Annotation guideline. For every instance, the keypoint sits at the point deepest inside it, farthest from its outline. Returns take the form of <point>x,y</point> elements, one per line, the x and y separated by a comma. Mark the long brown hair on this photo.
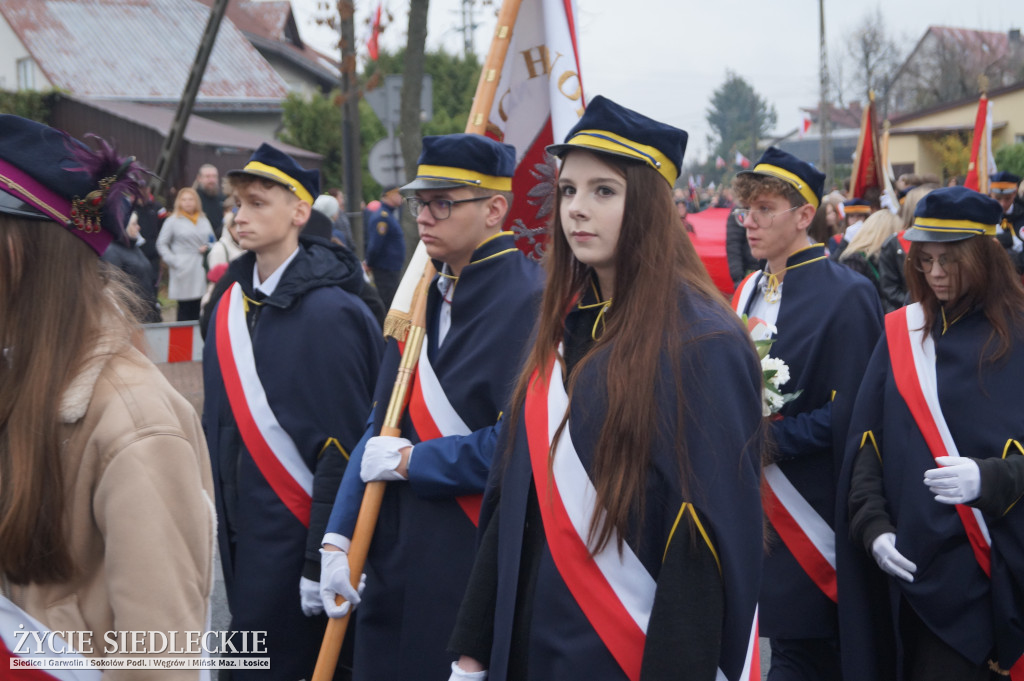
<point>55,304</point>
<point>654,260</point>
<point>985,278</point>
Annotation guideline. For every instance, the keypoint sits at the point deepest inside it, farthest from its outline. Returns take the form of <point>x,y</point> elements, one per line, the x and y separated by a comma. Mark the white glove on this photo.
<point>336,580</point>
<point>381,457</point>
<point>889,559</point>
<point>958,481</point>
<point>459,674</point>
<point>309,591</point>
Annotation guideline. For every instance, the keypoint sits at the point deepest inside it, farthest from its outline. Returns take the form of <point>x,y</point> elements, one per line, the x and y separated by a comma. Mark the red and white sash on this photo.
<point>270,446</point>
<point>913,365</point>
<point>18,640</point>
<point>805,533</point>
<point>615,591</point>
<point>433,416</point>
<point>744,291</point>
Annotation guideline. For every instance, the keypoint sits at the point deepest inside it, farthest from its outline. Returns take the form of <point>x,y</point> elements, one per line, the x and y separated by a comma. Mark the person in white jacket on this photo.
<point>184,239</point>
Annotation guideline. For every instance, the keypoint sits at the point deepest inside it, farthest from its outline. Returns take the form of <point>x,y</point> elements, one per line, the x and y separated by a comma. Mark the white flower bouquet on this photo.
<point>774,371</point>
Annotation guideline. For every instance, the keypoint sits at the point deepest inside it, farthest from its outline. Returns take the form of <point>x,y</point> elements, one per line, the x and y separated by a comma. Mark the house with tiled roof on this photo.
<point>947,64</point>
<point>138,51</point>
<point>271,28</point>
<point>121,67</point>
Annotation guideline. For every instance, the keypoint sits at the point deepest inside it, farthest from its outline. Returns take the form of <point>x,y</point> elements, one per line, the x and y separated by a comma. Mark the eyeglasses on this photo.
<point>440,209</point>
<point>926,264</point>
<point>762,216</point>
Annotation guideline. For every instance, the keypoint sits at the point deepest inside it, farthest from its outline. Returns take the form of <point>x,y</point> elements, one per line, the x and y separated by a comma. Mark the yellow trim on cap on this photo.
<point>294,185</point>
<point>463,176</point>
<point>793,179</point>
<point>856,210</point>
<point>955,226</point>
<point>1007,186</point>
<point>604,140</point>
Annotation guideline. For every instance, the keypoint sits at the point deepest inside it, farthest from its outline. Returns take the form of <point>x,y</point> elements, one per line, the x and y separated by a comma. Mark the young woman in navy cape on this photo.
<point>935,456</point>
<point>623,520</point>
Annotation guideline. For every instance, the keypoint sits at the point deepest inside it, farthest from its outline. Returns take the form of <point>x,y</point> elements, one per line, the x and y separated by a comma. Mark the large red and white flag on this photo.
<point>741,161</point>
<point>538,100</point>
<point>982,163</point>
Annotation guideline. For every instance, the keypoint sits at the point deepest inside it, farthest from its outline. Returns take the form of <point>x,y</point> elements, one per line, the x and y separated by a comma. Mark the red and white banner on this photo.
<point>173,342</point>
<point>913,363</point>
<point>23,637</point>
<point>982,163</point>
<point>433,416</point>
<point>538,99</point>
<point>268,443</point>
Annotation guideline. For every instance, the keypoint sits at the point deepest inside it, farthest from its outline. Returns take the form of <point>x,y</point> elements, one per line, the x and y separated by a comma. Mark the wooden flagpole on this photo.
<point>487,86</point>
<point>411,325</point>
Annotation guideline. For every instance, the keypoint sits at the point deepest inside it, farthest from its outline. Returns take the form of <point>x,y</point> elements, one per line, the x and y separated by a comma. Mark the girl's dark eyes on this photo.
<point>567,190</point>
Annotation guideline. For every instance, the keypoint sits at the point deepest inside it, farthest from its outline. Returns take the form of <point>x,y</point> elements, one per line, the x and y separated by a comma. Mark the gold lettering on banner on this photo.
<point>565,78</point>
<point>501,105</point>
<point>539,56</point>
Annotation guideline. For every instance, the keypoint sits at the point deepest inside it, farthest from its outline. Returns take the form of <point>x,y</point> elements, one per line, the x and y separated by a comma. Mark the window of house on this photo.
<point>26,74</point>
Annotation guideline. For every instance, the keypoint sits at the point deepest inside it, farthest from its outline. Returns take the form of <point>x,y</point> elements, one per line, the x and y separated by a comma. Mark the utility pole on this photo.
<point>172,143</point>
<point>351,152</point>
<point>468,26</point>
<point>823,109</point>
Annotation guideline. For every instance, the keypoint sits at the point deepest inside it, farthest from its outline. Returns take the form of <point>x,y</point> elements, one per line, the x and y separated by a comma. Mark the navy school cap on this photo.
<point>805,178</point>
<point>275,165</point>
<point>464,160</point>
<point>954,214</point>
<point>609,128</point>
<point>1003,182</point>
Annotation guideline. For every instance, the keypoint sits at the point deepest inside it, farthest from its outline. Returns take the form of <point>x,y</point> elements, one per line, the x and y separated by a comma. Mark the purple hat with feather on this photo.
<point>45,174</point>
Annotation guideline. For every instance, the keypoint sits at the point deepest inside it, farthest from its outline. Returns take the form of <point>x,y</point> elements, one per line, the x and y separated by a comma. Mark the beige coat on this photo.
<point>141,518</point>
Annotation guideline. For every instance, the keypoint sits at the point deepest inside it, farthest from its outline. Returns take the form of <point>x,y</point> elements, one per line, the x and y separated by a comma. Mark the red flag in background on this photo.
<point>742,161</point>
<point>867,162</point>
<point>538,100</point>
<point>372,48</point>
<point>982,163</point>
<point>719,163</point>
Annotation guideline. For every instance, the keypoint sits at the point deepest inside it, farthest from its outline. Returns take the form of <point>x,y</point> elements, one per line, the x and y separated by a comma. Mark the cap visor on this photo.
<point>12,205</point>
<point>915,234</point>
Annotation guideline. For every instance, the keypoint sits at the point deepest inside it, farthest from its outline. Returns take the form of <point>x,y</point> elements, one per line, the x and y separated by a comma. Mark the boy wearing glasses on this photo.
<point>825,321</point>
<point>480,311</point>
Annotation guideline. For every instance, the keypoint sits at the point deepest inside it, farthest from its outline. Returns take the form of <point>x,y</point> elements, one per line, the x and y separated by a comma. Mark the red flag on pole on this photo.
<point>981,149</point>
<point>867,162</point>
<point>538,100</point>
<point>372,47</point>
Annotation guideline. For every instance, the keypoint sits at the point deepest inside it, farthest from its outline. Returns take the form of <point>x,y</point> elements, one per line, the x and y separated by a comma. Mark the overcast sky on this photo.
<point>664,58</point>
